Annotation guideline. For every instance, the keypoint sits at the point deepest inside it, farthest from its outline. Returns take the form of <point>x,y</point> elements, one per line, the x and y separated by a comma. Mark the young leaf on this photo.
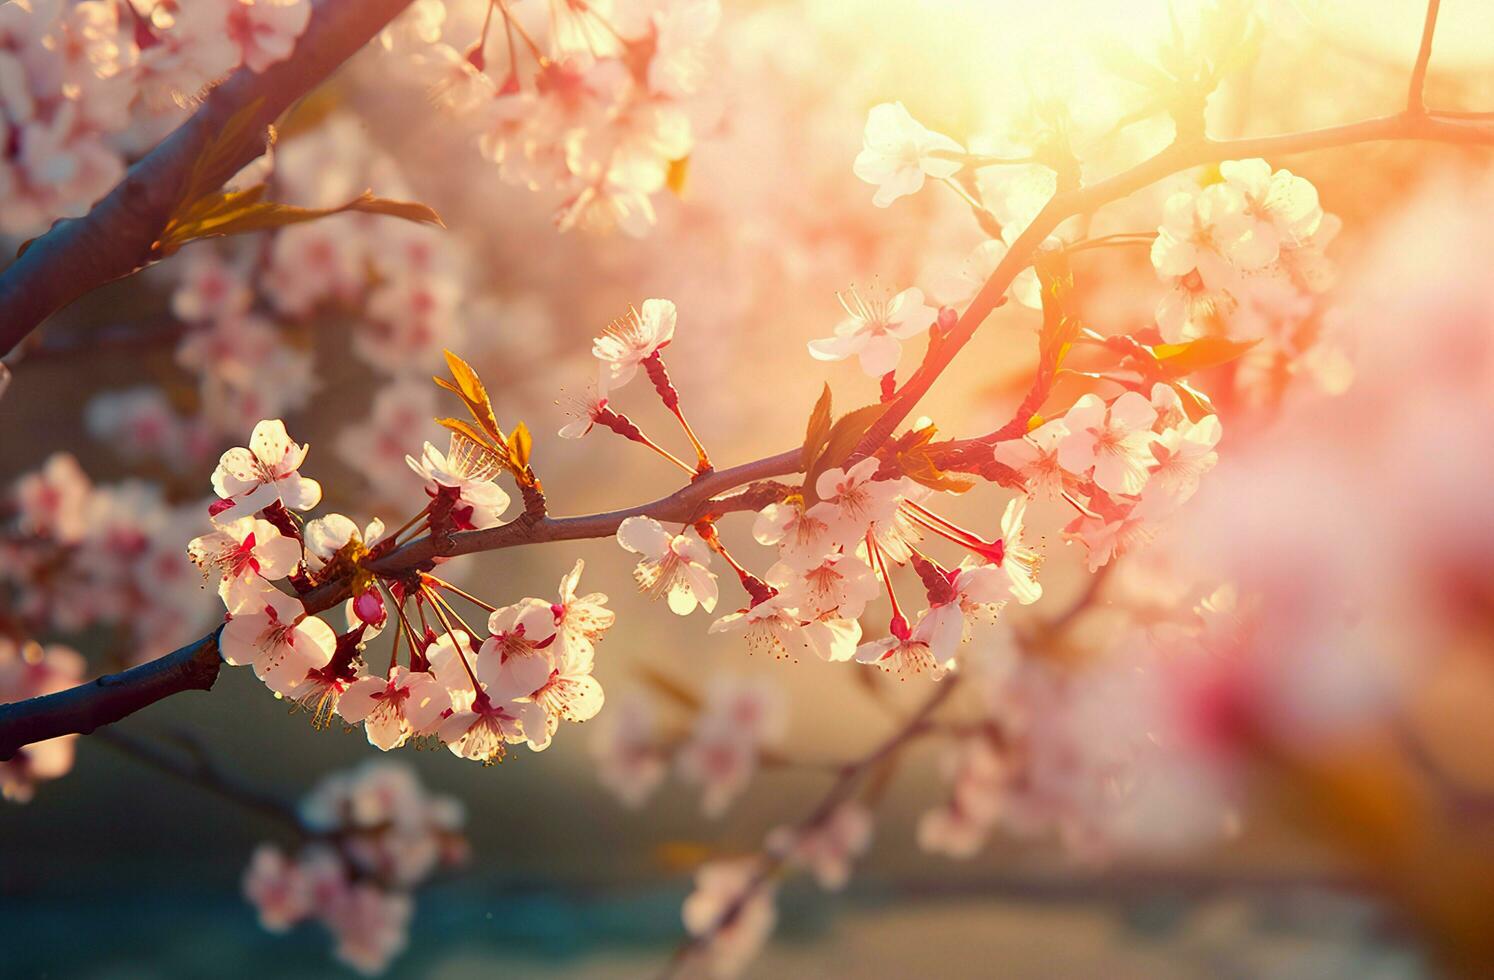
<point>519,446</point>
<point>817,431</point>
<point>221,213</point>
<point>844,434</point>
<point>919,466</point>
<point>215,163</point>
<point>470,389</point>
<point>1059,329</point>
<point>1179,360</point>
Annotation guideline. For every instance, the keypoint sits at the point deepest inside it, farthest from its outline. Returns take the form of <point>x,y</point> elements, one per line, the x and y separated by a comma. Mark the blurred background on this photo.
<point>118,870</point>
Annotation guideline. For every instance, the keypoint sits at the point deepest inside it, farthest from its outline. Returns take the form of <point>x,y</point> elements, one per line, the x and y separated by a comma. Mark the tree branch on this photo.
<point>194,667</point>
<point>114,238</point>
<point>840,791</point>
<point>1415,100</point>
<point>107,699</point>
<point>198,769</point>
<point>1178,156</point>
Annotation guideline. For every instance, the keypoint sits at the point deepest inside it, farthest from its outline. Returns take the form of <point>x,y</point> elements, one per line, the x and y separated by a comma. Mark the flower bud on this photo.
<point>368,606</point>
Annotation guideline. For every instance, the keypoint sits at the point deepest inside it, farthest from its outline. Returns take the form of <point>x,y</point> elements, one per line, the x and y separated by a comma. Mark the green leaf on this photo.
<point>1179,360</point>
<point>844,434</point>
<point>817,431</point>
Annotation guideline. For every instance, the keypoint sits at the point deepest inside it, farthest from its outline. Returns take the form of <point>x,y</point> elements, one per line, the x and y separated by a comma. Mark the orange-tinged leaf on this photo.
<point>221,213</point>
<point>1059,329</point>
<point>470,389</point>
<point>218,156</point>
<point>519,446</point>
<point>679,172</point>
<point>817,431</point>
<point>917,465</point>
<point>844,434</point>
<point>1178,360</point>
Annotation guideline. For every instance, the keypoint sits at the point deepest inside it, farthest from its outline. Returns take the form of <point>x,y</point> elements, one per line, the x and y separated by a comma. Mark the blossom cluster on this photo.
<point>475,695</point>
<point>245,308</point>
<point>738,724</point>
<point>30,670</point>
<point>75,555</point>
<point>590,102</point>
<point>90,83</point>
<point>371,836</point>
<point>1126,465</point>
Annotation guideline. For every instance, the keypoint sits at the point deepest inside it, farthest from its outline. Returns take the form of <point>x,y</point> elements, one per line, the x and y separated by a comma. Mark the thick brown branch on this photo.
<point>114,238</point>
<point>107,699</point>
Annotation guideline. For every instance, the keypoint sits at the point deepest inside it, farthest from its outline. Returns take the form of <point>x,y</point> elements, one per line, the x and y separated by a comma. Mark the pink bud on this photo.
<point>219,506</point>
<point>369,608</point>
<point>947,318</point>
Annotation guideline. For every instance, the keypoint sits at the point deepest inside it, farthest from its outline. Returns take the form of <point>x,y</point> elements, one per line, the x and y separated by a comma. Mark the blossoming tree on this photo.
<point>134,130</point>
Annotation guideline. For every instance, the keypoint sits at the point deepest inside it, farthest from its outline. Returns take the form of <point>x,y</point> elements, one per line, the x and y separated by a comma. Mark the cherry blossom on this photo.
<point>277,889</point>
<point>632,339</point>
<point>482,725</point>
<point>580,621</point>
<point>681,30</point>
<point>629,760</point>
<point>266,472</point>
<point>245,553</point>
<point>904,651</point>
<point>673,566</point>
<point>730,886</point>
<point>1284,206</point>
<point>722,762</point>
<point>523,630</point>
<point>803,537</point>
<point>265,30</point>
<point>53,500</point>
<point>387,705</point>
<point>851,499</point>
<point>775,625</point>
<point>210,288</point>
<point>27,671</point>
<point>874,329</point>
<point>1184,453</point>
<point>1112,444</point>
<point>330,533</point>
<point>478,502</point>
<point>828,848</point>
<point>1018,563</point>
<point>1211,234</point>
<point>840,585</point>
<point>272,633</point>
<point>1035,458</point>
<point>958,288</point>
<point>899,152</point>
<point>570,693</point>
